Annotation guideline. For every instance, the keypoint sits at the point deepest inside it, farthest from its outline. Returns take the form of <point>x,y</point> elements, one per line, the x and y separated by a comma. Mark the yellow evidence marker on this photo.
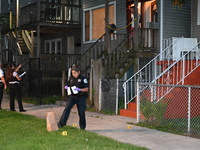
<point>74,125</point>
<point>129,127</point>
<point>64,133</point>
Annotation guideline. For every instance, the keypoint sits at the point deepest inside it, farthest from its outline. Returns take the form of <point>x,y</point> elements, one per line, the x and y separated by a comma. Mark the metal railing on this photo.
<point>57,61</point>
<point>97,50</point>
<point>163,70</point>
<point>14,44</point>
<point>51,12</point>
<point>122,56</point>
<point>178,110</point>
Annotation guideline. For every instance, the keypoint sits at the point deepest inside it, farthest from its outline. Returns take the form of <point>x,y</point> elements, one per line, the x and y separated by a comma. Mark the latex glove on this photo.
<point>15,73</point>
<point>66,87</point>
<point>77,89</point>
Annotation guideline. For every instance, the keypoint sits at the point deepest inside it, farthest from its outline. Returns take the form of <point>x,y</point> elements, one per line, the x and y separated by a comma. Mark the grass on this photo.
<point>176,126</point>
<point>26,132</point>
<point>44,100</point>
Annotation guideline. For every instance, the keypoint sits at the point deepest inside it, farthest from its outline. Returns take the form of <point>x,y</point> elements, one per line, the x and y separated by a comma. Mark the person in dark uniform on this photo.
<point>3,84</point>
<point>13,79</point>
<point>77,88</point>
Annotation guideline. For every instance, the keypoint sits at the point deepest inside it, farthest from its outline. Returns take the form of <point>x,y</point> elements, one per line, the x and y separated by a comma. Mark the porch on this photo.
<point>67,15</point>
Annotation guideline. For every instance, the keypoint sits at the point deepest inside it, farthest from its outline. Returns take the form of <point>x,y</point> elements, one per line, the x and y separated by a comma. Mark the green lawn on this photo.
<point>24,132</point>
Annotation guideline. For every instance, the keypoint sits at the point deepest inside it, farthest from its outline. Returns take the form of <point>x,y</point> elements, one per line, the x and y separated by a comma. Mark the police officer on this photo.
<point>77,88</point>
<point>14,89</point>
<point>2,83</point>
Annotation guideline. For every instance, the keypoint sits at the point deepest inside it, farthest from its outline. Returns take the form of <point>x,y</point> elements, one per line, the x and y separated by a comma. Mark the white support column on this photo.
<point>161,26</point>
<point>138,103</point>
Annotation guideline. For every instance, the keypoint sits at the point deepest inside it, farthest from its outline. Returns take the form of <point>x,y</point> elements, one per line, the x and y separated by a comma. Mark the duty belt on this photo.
<point>13,82</point>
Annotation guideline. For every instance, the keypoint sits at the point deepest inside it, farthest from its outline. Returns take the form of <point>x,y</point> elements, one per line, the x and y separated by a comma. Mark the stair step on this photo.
<point>132,105</point>
<point>128,113</point>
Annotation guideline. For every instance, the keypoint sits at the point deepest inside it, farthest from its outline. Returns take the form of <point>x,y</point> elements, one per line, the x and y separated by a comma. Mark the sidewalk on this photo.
<point>116,127</point>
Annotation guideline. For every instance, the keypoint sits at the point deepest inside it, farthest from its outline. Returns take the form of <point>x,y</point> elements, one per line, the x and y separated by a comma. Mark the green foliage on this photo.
<point>3,19</point>
<point>153,110</point>
<point>147,108</point>
<point>178,4</point>
<point>44,101</point>
<point>160,108</point>
<point>24,132</point>
<point>121,104</point>
<point>176,126</point>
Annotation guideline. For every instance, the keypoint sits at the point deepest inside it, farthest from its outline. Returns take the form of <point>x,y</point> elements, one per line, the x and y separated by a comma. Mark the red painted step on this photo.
<point>132,106</point>
<point>128,113</point>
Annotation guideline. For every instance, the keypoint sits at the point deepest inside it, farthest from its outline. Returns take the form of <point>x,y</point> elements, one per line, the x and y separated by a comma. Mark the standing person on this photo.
<point>77,88</point>
<point>133,18</point>
<point>14,89</point>
<point>132,10</point>
<point>3,84</point>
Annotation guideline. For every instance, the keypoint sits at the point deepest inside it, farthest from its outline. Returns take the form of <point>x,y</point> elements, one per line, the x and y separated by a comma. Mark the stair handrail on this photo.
<point>169,67</point>
<point>197,64</point>
<point>97,50</point>
<point>86,59</point>
<point>27,40</point>
<point>109,56</point>
<point>17,43</point>
<point>138,75</point>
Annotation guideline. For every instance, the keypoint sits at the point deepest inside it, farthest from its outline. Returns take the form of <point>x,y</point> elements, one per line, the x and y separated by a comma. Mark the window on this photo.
<point>198,13</point>
<point>53,46</point>
<point>94,23</point>
<point>10,4</point>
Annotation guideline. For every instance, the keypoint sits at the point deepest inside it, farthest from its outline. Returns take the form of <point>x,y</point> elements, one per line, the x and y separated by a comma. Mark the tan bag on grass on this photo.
<point>51,122</point>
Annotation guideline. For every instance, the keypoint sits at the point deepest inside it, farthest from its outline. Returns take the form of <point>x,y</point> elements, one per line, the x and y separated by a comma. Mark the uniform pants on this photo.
<point>15,91</point>
<point>1,93</point>
<point>81,106</point>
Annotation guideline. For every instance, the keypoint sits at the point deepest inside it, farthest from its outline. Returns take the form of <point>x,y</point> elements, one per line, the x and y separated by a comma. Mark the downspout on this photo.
<point>161,26</point>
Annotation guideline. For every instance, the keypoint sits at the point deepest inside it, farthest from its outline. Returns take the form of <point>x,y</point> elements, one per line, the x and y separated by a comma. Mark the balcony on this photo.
<point>50,14</point>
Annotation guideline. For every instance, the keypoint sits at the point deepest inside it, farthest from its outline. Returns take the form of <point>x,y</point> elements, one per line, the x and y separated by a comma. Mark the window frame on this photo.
<point>90,10</point>
<point>54,42</point>
<point>198,12</point>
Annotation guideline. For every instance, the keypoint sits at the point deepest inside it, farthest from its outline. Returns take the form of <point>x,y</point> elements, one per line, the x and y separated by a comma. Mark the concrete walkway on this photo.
<point>116,127</point>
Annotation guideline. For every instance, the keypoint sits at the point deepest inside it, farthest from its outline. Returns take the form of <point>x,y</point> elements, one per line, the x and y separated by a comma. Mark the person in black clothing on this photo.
<point>13,79</point>
<point>3,84</point>
<point>77,88</point>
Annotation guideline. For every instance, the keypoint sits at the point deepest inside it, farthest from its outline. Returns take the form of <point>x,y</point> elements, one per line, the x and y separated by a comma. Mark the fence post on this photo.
<point>189,106</point>
<point>100,94</point>
<point>63,83</point>
<point>125,96</point>
<point>117,86</point>
<point>138,103</point>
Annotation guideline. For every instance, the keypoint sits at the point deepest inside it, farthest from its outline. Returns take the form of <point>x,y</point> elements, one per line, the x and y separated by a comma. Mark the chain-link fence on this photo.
<point>176,107</point>
<point>110,95</point>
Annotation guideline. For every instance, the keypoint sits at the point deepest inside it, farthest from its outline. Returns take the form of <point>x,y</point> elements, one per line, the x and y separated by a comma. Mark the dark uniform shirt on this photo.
<point>80,82</point>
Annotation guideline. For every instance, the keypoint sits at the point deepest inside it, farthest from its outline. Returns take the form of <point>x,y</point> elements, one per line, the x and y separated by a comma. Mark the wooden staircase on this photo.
<point>121,58</point>
<point>115,63</point>
<point>21,41</point>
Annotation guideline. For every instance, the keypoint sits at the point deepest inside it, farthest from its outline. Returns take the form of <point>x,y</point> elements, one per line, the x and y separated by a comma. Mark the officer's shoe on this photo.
<point>60,125</point>
<point>22,110</point>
